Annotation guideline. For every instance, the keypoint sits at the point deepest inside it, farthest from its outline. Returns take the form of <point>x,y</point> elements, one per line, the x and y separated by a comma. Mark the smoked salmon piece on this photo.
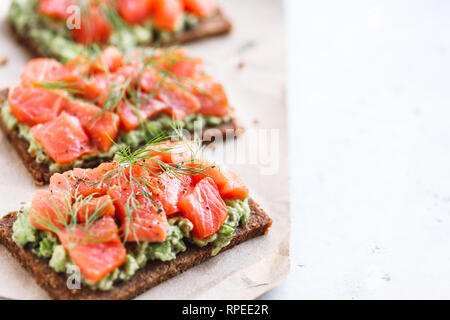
<point>150,81</point>
<point>151,107</point>
<point>32,106</point>
<point>143,221</point>
<point>146,168</point>
<point>72,181</point>
<point>172,152</point>
<point>187,68</point>
<point>55,8</point>
<point>63,138</point>
<point>201,8</point>
<point>212,97</point>
<point>45,70</point>
<point>128,73</point>
<point>101,126</point>
<point>94,208</point>
<point>205,208</point>
<point>109,60</point>
<point>49,210</point>
<point>180,101</point>
<point>103,130</point>
<point>96,89</point>
<point>96,248</point>
<point>170,189</point>
<point>95,27</point>
<point>168,14</point>
<point>230,185</point>
<point>81,64</point>
<point>129,118</point>
<point>85,182</point>
<point>164,59</point>
<point>135,11</point>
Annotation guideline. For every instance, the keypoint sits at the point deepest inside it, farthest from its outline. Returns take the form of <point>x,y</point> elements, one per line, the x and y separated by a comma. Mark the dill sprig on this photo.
<point>113,16</point>
<point>116,95</point>
<point>58,86</point>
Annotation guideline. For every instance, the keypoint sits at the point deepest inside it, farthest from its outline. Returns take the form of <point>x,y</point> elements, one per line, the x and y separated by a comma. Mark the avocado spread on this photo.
<point>53,38</point>
<point>160,126</point>
<point>46,245</point>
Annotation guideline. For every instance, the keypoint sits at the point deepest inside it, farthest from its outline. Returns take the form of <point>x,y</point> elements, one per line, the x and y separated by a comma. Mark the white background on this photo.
<point>369,101</point>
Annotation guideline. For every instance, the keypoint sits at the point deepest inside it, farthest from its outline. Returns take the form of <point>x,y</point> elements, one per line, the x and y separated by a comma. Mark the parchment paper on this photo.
<point>250,64</point>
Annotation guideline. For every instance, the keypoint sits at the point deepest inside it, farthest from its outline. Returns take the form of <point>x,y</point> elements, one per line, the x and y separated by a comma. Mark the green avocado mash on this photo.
<point>42,243</point>
<point>58,259</point>
<point>23,231</point>
<point>53,38</point>
<point>160,126</point>
<point>46,245</point>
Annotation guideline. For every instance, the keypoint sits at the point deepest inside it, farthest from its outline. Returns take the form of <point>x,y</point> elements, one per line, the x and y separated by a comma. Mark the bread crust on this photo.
<point>154,273</point>
<point>41,172</point>
<point>215,25</point>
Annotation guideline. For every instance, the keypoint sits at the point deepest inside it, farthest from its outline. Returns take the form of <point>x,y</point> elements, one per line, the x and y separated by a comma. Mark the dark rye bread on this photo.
<point>41,172</point>
<point>215,25</point>
<point>148,277</point>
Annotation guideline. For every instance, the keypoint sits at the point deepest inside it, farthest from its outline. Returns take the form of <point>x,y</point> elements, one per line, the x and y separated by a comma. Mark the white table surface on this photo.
<point>369,96</point>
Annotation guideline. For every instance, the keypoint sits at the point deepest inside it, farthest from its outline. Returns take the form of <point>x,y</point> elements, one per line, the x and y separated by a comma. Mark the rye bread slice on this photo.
<point>41,172</point>
<point>154,273</point>
<point>215,25</point>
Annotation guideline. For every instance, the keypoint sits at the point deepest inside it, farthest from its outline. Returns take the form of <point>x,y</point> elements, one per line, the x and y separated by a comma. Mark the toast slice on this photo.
<point>41,172</point>
<point>215,25</point>
<point>152,274</point>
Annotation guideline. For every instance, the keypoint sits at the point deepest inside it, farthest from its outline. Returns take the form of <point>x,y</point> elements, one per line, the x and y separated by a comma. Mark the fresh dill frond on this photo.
<point>114,99</point>
<point>113,16</point>
<point>59,86</point>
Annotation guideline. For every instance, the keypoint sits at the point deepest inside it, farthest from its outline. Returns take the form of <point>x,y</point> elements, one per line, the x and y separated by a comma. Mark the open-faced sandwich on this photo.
<point>63,28</point>
<point>64,116</point>
<point>115,231</point>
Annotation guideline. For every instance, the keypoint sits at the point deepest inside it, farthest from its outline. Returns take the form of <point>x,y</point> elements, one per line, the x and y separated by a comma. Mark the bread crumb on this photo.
<point>241,65</point>
<point>3,61</point>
